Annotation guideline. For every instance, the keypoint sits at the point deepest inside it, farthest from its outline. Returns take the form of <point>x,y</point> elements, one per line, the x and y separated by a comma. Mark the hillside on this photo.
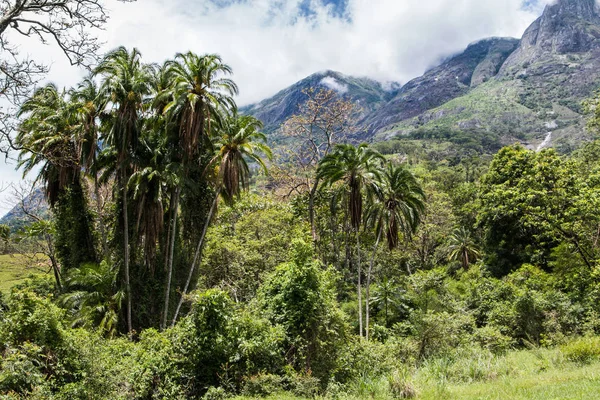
<point>369,94</point>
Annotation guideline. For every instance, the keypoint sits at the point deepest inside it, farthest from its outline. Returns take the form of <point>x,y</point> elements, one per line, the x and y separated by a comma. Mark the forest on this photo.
<point>188,259</point>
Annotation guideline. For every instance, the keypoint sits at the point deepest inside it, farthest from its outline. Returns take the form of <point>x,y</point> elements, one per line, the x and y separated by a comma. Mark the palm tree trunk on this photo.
<point>126,244</point>
<point>311,210</point>
<point>213,207</point>
<point>359,286</point>
<point>99,211</point>
<point>163,323</point>
<point>369,281</point>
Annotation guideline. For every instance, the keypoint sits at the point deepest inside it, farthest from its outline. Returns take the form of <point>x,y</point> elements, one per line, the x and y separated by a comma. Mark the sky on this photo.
<point>270,44</point>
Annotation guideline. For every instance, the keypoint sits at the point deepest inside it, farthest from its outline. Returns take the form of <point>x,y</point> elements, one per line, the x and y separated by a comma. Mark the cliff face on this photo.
<point>567,27</point>
<point>453,78</point>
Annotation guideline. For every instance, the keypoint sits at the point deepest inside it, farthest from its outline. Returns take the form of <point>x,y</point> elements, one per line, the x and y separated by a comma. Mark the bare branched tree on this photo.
<point>323,121</point>
<point>71,25</point>
<point>36,239</point>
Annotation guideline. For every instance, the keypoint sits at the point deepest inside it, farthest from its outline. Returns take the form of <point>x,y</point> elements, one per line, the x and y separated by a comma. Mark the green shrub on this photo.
<point>491,338</point>
<point>300,297</point>
<point>262,385</point>
<point>401,386</point>
<point>582,350</point>
<point>215,393</point>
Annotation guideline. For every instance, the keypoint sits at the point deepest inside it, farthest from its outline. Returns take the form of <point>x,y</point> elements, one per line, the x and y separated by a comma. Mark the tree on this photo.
<point>85,98</point>
<point>70,24</point>
<point>5,236</point>
<point>125,84</point>
<point>300,297</point>
<point>462,247</point>
<point>530,202</point>
<point>398,209</point>
<point>199,97</point>
<point>323,121</point>
<point>240,140</point>
<point>92,297</point>
<point>359,169</point>
<point>48,135</point>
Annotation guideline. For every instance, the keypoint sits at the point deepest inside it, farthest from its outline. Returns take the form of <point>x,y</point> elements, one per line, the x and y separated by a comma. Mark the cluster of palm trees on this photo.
<point>169,141</point>
<point>394,205</point>
<point>167,137</point>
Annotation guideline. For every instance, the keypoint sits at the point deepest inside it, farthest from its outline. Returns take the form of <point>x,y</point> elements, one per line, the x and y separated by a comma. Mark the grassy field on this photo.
<point>540,374</point>
<point>14,268</point>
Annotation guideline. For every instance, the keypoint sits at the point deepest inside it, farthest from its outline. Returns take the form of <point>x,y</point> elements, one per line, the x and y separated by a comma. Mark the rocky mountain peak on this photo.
<point>581,9</point>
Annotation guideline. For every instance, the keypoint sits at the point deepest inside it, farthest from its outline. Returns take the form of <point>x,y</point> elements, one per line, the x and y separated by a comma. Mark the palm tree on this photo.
<point>462,247</point>
<point>239,142</point>
<point>199,96</point>
<point>49,136</point>
<point>125,85</point>
<point>85,98</point>
<point>399,207</point>
<point>387,294</point>
<point>92,297</point>
<point>153,174</point>
<point>359,168</point>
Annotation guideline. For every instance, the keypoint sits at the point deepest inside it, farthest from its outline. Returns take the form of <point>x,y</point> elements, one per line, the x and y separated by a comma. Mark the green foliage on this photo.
<point>75,244</point>
<point>582,350</point>
<point>300,297</point>
<point>247,242</point>
<point>91,297</point>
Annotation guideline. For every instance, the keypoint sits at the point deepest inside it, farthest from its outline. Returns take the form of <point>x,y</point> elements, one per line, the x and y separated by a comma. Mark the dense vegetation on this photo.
<point>344,272</point>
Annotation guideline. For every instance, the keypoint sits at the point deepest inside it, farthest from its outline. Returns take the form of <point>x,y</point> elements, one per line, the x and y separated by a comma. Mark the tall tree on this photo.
<point>359,169</point>
<point>240,141</point>
<point>200,96</point>
<point>399,204</point>
<point>49,135</point>
<point>125,85</point>
<point>85,98</point>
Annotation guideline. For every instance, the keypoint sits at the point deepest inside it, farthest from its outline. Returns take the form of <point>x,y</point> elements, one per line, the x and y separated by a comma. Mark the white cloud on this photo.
<point>270,47</point>
<point>333,84</point>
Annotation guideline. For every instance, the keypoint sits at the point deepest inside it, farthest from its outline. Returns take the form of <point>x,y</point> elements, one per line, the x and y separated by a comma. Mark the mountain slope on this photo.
<point>538,89</point>
<point>453,78</point>
<point>369,94</point>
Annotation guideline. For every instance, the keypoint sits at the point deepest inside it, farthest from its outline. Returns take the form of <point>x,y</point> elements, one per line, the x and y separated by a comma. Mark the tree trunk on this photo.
<point>55,267</point>
<point>171,251</point>
<point>126,244</point>
<point>196,261</point>
<point>359,286</point>
<point>311,210</point>
<point>103,234</point>
<point>368,294</point>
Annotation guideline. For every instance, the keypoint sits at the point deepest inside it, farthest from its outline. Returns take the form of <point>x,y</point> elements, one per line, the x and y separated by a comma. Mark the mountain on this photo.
<point>453,78</point>
<point>529,89</point>
<point>368,93</point>
<point>34,202</point>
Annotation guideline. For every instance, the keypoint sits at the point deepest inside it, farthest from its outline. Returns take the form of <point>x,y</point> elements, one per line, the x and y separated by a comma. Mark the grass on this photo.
<point>538,374</point>
<point>15,268</point>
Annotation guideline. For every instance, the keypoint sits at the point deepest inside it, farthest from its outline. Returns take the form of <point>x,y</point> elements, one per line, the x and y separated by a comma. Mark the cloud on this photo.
<point>271,44</point>
<point>333,84</point>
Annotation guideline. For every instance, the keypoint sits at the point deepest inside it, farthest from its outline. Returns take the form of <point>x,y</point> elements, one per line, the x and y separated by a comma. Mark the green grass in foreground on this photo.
<point>543,374</point>
<point>15,268</point>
